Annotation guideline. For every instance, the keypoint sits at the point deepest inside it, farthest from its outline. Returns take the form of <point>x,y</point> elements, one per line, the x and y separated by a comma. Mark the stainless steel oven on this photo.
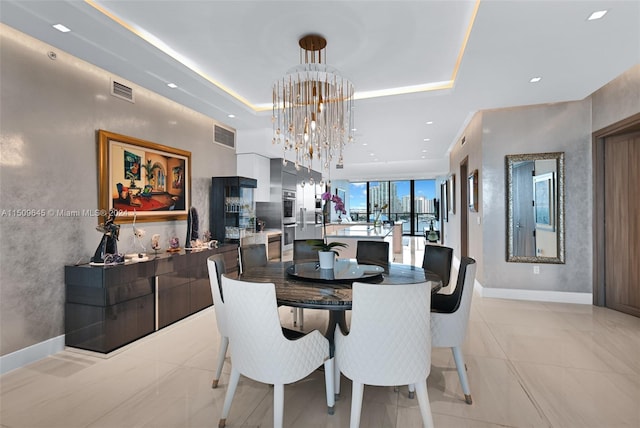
<point>288,207</point>
<point>288,236</point>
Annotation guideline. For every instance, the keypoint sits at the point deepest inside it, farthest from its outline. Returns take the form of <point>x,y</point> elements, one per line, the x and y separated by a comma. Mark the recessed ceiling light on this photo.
<point>172,85</point>
<point>231,116</point>
<point>424,151</point>
<point>597,15</point>
<point>375,160</point>
<point>427,139</point>
<point>364,144</point>
<point>430,122</point>
<point>423,157</point>
<point>61,28</point>
<point>354,129</point>
<point>535,79</point>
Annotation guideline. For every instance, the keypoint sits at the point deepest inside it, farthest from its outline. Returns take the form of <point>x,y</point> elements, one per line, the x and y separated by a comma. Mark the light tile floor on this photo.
<point>530,364</point>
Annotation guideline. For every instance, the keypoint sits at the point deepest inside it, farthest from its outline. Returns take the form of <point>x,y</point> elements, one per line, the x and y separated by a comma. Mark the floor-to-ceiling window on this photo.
<point>378,192</point>
<point>358,202</point>
<point>408,201</point>
<point>400,197</point>
<point>424,206</point>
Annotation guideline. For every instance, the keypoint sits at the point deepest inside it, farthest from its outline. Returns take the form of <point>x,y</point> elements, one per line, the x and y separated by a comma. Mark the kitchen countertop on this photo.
<point>362,231</point>
<point>269,232</point>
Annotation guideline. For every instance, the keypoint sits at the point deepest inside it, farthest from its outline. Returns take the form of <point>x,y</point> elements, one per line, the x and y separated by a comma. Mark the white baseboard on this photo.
<point>535,295</point>
<point>31,354</point>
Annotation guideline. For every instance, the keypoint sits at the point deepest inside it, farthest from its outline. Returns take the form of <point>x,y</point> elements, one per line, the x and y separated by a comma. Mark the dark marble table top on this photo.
<point>330,293</point>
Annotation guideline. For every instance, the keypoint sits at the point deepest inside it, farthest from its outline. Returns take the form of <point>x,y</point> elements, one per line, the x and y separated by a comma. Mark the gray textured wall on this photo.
<point>49,112</point>
<point>617,100</point>
<point>563,127</point>
<point>472,150</point>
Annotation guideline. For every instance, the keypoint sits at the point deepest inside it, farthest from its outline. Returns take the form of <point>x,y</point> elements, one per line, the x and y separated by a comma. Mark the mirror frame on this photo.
<point>509,162</point>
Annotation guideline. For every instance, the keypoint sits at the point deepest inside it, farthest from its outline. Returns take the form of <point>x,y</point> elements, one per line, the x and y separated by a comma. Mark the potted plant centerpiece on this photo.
<point>327,251</point>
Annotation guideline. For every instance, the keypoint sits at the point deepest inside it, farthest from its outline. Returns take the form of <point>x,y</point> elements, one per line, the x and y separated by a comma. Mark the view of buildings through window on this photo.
<point>410,201</point>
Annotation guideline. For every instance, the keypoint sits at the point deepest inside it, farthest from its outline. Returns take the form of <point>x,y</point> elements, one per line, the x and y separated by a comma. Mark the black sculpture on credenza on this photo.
<point>109,242</point>
<point>192,227</point>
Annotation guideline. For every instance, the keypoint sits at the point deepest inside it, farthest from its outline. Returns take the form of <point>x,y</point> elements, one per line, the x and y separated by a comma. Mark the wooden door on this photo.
<point>622,222</point>
<point>523,221</point>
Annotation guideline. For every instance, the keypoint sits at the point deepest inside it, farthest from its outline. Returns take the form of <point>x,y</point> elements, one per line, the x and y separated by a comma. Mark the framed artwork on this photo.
<point>543,189</point>
<point>473,191</point>
<point>143,178</point>
<point>444,196</point>
<point>452,193</point>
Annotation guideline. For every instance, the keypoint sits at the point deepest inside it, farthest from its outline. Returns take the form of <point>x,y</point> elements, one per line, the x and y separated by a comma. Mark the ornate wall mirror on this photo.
<point>535,208</point>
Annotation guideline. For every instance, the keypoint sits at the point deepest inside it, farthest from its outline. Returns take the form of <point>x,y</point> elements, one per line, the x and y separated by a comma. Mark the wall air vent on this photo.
<point>224,136</point>
<point>122,91</point>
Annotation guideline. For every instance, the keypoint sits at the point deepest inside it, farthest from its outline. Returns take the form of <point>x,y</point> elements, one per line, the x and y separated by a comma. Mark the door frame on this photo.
<point>625,126</point>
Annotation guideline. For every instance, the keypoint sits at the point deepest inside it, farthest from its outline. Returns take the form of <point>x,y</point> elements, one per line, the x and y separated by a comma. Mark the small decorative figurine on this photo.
<point>174,245</point>
<point>109,242</point>
<point>138,234</point>
<point>155,242</point>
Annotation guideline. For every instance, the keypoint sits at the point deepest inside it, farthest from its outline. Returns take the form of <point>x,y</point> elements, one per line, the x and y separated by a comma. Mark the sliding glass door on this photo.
<point>408,201</point>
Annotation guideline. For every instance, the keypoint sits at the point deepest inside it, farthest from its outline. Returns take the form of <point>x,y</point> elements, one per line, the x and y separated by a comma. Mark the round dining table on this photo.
<point>305,285</point>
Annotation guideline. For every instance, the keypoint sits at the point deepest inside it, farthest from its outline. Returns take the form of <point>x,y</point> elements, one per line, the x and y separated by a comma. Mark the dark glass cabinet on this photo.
<point>232,211</point>
<point>108,307</point>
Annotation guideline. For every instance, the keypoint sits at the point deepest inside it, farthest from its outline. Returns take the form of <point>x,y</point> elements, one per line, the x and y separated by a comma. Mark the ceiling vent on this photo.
<point>224,136</point>
<point>122,91</point>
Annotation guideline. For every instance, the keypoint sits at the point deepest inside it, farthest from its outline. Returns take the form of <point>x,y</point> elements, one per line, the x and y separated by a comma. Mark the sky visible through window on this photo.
<point>358,192</point>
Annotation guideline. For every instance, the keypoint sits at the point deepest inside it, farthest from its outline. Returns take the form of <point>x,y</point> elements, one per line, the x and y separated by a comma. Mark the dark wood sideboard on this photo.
<point>108,307</point>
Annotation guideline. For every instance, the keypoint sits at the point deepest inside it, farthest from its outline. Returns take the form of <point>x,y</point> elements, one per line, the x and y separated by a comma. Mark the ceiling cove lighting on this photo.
<point>313,109</point>
<point>61,28</point>
<point>597,15</point>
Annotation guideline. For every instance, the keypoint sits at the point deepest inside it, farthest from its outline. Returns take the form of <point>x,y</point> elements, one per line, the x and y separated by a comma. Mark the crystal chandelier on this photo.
<point>313,109</point>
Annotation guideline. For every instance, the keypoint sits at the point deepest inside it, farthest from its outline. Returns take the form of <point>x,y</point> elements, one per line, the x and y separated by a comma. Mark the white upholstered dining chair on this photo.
<point>216,267</point>
<point>386,343</point>
<point>260,351</point>
<point>450,318</point>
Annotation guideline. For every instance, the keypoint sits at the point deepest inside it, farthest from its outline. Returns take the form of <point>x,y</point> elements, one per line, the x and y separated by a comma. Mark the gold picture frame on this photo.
<point>141,178</point>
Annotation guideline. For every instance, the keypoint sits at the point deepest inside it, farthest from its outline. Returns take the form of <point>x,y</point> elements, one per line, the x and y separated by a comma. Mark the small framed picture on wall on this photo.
<point>451,185</point>
<point>472,191</point>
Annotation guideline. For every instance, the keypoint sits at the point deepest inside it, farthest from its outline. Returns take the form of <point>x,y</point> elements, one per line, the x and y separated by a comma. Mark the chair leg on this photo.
<point>412,391</point>
<point>222,352</point>
<point>356,404</point>
<point>278,405</point>
<point>301,316</point>
<point>231,390</point>
<point>336,379</point>
<point>423,402</point>
<point>295,316</point>
<point>462,373</point>
<point>329,378</point>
